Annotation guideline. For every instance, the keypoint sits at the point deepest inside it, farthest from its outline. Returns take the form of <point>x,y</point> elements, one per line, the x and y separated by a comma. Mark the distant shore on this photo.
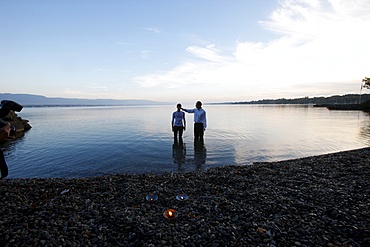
<point>315,201</point>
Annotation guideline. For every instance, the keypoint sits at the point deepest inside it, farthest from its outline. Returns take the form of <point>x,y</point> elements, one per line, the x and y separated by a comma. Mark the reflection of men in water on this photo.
<point>178,123</point>
<point>179,155</point>
<point>200,121</point>
<point>200,155</point>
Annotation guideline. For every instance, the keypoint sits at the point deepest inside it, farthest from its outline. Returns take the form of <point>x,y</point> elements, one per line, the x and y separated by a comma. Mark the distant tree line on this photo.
<point>337,99</point>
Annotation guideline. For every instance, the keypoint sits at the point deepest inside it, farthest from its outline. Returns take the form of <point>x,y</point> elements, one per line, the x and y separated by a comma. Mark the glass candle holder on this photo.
<point>151,198</point>
<point>182,197</point>
<point>170,214</point>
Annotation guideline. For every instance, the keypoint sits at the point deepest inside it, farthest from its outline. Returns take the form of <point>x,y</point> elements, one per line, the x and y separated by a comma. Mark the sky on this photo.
<point>184,51</point>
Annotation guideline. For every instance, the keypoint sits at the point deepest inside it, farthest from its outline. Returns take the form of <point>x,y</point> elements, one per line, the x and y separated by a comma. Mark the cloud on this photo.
<point>185,74</point>
<point>323,40</point>
<point>112,70</point>
<point>144,54</point>
<point>92,91</point>
<point>323,43</point>
<point>71,92</point>
<point>198,71</point>
<point>97,87</point>
<point>151,29</point>
<point>208,53</point>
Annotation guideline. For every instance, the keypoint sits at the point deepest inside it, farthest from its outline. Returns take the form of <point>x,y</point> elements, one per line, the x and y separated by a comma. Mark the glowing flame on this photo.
<point>170,214</point>
<point>182,197</point>
<point>151,198</point>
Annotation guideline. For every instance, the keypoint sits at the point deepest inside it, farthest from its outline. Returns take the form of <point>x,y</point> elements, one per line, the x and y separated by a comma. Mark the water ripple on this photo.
<point>78,142</point>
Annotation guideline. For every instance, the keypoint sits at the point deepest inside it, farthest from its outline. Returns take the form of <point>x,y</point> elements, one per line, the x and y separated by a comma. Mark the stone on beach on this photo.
<point>314,201</point>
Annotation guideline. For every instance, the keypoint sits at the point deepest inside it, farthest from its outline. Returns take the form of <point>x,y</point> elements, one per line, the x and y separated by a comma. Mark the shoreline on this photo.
<point>314,201</point>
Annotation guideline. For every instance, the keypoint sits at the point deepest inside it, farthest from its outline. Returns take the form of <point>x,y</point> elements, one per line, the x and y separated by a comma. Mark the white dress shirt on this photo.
<point>199,116</point>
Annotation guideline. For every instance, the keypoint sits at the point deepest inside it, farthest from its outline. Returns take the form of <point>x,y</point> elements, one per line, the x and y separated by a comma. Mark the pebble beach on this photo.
<point>315,201</point>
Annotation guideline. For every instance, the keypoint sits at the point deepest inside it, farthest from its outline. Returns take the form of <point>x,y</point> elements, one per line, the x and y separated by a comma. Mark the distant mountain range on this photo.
<point>39,100</point>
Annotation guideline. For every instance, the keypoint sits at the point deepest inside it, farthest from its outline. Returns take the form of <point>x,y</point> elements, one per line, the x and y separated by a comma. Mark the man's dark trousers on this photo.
<point>198,132</point>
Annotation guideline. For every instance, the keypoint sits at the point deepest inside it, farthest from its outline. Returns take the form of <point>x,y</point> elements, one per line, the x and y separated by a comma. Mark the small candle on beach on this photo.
<point>170,214</point>
<point>151,198</point>
<point>182,197</point>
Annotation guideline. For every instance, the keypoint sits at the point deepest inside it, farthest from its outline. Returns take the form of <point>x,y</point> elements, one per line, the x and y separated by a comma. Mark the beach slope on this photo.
<point>315,201</point>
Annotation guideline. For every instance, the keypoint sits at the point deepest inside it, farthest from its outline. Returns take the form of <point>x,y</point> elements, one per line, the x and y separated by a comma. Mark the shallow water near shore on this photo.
<point>91,141</point>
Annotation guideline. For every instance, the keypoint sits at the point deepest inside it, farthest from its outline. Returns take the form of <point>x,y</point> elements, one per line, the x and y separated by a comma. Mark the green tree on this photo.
<point>366,82</point>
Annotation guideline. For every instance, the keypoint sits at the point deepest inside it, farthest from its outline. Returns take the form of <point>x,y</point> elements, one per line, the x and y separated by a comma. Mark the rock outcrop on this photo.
<point>21,125</point>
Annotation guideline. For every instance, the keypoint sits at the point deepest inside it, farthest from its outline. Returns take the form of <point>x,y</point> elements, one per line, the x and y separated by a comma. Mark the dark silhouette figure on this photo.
<point>200,121</point>
<point>178,124</point>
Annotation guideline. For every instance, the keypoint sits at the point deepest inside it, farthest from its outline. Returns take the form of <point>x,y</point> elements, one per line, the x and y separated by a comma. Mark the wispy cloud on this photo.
<point>151,29</point>
<point>209,53</point>
<point>95,86</point>
<point>321,42</point>
<point>144,54</point>
<point>71,92</point>
<point>91,93</point>
<point>112,70</point>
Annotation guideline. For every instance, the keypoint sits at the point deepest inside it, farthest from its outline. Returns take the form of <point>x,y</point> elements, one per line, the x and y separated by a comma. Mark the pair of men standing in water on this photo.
<point>179,123</point>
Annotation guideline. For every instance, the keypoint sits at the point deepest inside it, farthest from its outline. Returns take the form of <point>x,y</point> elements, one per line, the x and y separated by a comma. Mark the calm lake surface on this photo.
<point>91,141</point>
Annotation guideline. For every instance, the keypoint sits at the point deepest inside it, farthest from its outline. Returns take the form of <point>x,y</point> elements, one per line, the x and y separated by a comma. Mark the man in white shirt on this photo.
<point>200,121</point>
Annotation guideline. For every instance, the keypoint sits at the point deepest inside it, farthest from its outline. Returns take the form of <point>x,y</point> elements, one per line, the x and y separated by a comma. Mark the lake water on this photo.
<point>90,141</point>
